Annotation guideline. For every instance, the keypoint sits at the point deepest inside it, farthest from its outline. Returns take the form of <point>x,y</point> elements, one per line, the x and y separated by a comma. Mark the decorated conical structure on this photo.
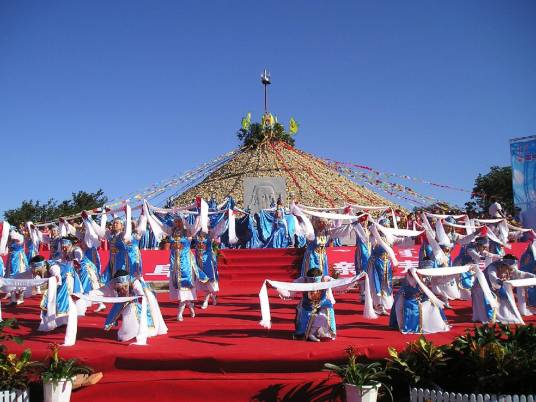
<point>268,152</point>
<point>309,180</point>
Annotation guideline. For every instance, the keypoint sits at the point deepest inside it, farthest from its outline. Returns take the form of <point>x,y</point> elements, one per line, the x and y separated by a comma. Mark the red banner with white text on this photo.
<point>156,262</point>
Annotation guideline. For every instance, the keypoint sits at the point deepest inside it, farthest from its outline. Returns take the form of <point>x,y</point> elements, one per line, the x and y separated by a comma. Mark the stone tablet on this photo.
<point>263,192</point>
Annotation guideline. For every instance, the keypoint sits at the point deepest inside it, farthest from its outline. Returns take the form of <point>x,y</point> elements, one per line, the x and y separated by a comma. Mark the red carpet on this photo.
<point>222,353</point>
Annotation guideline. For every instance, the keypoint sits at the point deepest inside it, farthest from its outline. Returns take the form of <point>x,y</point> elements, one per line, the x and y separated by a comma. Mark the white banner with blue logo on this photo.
<point>523,152</point>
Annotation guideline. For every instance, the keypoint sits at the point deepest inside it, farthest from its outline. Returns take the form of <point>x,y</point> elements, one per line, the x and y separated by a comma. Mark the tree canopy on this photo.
<point>496,185</point>
<point>37,211</point>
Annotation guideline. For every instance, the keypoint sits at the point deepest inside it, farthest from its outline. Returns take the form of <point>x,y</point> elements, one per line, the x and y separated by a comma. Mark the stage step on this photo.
<point>252,266</point>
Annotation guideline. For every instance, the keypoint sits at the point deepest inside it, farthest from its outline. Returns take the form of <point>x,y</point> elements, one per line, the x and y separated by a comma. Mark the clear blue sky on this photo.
<point>120,94</point>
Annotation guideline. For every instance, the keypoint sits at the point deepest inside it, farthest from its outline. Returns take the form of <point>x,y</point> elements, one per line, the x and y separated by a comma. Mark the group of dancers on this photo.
<point>75,280</point>
<point>482,272</point>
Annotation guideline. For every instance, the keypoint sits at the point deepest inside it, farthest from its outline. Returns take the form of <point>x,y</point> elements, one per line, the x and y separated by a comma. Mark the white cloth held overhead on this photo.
<point>4,236</point>
<point>285,287</point>
<point>305,222</point>
<point>128,224</point>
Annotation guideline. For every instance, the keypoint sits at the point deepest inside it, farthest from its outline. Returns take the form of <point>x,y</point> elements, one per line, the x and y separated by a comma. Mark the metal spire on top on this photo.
<point>265,79</point>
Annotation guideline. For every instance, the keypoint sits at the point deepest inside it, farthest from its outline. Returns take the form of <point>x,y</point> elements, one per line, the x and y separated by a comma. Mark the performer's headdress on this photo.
<point>483,241</point>
<point>66,241</point>
<point>450,219</point>
<point>384,221</point>
<point>118,219</point>
<point>38,261</point>
<point>121,277</point>
<point>314,275</point>
<point>510,260</point>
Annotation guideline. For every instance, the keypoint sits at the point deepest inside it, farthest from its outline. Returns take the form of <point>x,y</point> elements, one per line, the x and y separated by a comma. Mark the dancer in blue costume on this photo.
<point>279,237</point>
<point>16,259</point>
<point>528,264</point>
<point>315,316</point>
<point>206,252</point>
<point>18,294</point>
<point>363,246</point>
<point>148,241</point>
<point>315,254</point>
<point>184,275</point>
<point>32,240</point>
<point>413,312</point>
<point>17,264</point>
<point>133,324</point>
<point>64,311</point>
<point>118,250</point>
<point>53,239</point>
<point>87,271</point>
<point>447,287</point>
<point>474,252</point>
<point>135,262</point>
<point>380,270</point>
<point>425,251</point>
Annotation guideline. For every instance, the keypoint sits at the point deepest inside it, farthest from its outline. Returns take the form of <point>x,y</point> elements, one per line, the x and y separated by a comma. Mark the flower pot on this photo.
<point>58,392</point>
<point>15,395</point>
<point>366,393</point>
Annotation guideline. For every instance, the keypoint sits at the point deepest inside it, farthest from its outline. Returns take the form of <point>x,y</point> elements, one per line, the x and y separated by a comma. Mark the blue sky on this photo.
<point>118,95</point>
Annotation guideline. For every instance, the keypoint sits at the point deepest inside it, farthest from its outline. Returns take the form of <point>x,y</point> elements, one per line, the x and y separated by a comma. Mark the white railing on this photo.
<point>14,396</point>
<point>426,395</point>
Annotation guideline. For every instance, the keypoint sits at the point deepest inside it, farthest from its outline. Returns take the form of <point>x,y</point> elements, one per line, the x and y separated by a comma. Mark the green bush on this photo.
<point>493,359</point>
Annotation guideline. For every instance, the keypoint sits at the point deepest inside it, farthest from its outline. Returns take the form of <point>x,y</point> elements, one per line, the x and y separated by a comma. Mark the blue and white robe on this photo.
<point>413,313</point>
<point>315,314</point>
<point>118,256</point>
<point>380,273</point>
<point>362,254</point>
<point>17,262</point>
<point>315,255</point>
<point>208,263</point>
<point>184,274</point>
<point>134,260</point>
<point>130,314</point>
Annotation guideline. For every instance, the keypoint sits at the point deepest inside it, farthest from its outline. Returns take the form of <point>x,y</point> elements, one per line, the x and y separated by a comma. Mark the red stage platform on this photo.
<point>223,353</point>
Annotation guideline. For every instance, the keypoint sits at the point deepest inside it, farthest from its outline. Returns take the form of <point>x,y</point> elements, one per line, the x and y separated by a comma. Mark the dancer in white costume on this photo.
<point>495,275</point>
<point>139,318</point>
<point>414,312</point>
<point>57,306</point>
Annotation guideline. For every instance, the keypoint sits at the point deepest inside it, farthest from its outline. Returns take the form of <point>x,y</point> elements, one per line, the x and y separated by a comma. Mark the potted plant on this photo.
<point>15,375</point>
<point>58,375</point>
<point>15,372</point>
<point>362,380</point>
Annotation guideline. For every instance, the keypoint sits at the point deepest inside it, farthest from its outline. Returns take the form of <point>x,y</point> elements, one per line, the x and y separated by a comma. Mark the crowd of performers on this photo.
<point>75,280</point>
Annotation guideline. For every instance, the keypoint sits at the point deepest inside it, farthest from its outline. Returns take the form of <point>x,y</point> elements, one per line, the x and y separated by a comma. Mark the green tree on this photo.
<point>257,134</point>
<point>496,185</point>
<point>36,211</point>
